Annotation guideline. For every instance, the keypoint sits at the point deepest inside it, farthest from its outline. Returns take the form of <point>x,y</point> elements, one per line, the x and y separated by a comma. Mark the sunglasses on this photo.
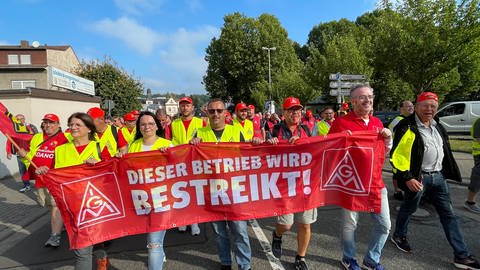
<point>212,111</point>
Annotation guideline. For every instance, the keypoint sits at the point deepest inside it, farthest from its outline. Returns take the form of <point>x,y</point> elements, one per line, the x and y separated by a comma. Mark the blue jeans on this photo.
<point>83,258</point>
<point>239,231</point>
<point>436,188</point>
<point>156,255</point>
<point>378,237</point>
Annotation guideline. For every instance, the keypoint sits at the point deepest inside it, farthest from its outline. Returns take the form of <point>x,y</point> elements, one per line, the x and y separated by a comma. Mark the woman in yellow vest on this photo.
<point>149,137</point>
<point>82,148</point>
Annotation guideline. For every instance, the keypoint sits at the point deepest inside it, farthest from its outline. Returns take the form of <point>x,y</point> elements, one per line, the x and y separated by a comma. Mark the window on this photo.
<point>23,59</point>
<point>23,84</point>
<point>454,109</point>
<point>13,59</point>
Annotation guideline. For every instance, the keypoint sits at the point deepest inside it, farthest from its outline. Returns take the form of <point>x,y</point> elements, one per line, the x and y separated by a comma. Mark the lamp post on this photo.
<point>269,71</point>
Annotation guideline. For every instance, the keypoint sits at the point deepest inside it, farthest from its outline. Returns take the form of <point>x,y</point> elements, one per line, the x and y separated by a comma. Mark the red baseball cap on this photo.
<point>241,106</point>
<point>135,112</point>
<point>96,112</point>
<point>291,102</point>
<point>427,96</point>
<point>129,117</point>
<point>186,99</point>
<point>51,117</point>
<point>251,107</point>
<point>309,113</point>
<point>345,106</point>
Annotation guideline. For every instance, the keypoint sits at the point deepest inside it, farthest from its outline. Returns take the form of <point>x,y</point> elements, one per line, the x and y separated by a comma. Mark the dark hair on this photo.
<point>216,100</point>
<point>87,121</point>
<point>160,132</point>
<point>327,108</point>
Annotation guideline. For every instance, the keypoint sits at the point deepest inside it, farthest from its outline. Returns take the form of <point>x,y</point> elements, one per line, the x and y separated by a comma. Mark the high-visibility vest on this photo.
<point>395,121</point>
<point>67,154</point>
<point>182,136</point>
<point>475,143</point>
<point>108,140</point>
<point>402,154</point>
<point>136,146</point>
<point>230,134</point>
<point>247,128</point>
<point>323,127</point>
<point>129,136</point>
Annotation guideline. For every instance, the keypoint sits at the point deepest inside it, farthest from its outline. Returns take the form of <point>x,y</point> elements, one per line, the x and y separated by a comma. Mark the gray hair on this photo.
<point>358,86</point>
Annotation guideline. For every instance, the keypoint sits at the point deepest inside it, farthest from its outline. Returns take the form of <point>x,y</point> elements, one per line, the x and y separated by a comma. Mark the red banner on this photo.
<point>9,125</point>
<point>153,191</point>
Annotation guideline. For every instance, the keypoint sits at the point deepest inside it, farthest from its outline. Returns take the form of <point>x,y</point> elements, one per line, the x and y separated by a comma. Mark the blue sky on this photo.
<point>160,42</point>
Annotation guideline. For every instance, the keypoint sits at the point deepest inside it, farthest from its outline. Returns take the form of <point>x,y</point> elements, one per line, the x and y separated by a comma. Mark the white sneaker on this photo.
<point>195,229</point>
<point>182,228</point>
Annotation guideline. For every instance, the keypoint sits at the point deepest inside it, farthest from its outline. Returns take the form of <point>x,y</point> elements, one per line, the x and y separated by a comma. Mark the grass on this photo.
<point>461,145</point>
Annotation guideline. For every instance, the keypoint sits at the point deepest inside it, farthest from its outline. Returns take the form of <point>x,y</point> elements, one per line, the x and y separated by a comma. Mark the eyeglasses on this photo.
<point>151,124</point>
<point>212,111</point>
<point>365,97</point>
<point>75,125</point>
<point>293,110</point>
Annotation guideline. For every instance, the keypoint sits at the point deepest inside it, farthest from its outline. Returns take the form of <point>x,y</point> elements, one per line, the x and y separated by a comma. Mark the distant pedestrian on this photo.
<point>406,109</point>
<point>12,151</point>
<point>474,185</point>
<point>423,160</point>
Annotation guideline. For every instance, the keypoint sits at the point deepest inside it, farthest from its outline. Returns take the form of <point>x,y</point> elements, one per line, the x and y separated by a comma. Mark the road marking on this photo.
<point>265,244</point>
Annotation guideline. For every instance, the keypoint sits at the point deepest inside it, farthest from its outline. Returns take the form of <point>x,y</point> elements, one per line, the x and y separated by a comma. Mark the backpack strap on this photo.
<point>99,151</point>
<point>114,132</point>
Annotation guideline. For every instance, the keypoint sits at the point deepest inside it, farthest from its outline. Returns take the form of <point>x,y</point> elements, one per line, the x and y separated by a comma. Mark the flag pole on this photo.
<point>18,148</point>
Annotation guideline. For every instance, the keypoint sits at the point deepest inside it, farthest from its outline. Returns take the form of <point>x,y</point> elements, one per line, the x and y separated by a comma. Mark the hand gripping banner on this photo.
<point>151,191</point>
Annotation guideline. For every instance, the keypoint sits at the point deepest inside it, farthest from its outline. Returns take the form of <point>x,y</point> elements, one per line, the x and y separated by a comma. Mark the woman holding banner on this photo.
<point>82,149</point>
<point>147,138</point>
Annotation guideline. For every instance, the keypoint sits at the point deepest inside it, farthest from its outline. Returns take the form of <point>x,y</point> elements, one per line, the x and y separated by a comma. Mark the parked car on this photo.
<point>458,116</point>
<point>386,116</point>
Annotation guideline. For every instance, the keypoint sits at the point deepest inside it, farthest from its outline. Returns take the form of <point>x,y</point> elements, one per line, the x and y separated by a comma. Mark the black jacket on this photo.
<point>449,165</point>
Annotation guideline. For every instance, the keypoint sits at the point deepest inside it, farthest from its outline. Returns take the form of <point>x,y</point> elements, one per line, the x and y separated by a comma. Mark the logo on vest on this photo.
<point>95,207</point>
<point>345,176</point>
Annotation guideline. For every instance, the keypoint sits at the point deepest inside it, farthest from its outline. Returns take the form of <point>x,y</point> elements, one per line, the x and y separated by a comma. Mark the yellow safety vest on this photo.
<point>34,142</point>
<point>247,128</point>
<point>402,154</point>
<point>230,134</point>
<point>108,140</point>
<point>323,128</point>
<point>475,143</point>
<point>182,136</point>
<point>67,154</point>
<point>136,146</point>
<point>129,136</point>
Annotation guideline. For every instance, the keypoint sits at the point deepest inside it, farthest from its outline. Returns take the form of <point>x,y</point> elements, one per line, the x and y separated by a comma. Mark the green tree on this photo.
<point>238,67</point>
<point>112,82</point>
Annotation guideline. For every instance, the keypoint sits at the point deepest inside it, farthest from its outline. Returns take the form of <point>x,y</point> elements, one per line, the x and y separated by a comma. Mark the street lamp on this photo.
<point>269,70</point>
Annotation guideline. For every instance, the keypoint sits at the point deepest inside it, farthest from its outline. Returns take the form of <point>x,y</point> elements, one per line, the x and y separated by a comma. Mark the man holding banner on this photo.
<point>292,129</point>
<point>359,119</point>
<point>41,155</point>
<point>218,131</point>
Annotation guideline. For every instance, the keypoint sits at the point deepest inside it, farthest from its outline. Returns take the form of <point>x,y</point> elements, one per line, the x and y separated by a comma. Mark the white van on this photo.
<point>458,116</point>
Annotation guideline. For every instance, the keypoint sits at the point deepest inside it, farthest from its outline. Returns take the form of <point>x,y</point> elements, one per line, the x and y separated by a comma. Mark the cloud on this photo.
<point>4,42</point>
<point>137,7</point>
<point>134,35</point>
<point>185,55</point>
<point>194,5</point>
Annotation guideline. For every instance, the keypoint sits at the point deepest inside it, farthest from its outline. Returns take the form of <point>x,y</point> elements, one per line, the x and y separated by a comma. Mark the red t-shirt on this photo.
<point>354,123</point>
<point>45,156</point>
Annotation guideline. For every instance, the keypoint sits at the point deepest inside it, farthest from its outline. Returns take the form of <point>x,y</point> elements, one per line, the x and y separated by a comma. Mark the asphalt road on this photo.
<point>24,249</point>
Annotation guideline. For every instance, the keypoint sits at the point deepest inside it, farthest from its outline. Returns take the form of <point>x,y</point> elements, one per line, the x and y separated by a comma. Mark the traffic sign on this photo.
<point>340,84</point>
<point>339,92</point>
<point>346,77</point>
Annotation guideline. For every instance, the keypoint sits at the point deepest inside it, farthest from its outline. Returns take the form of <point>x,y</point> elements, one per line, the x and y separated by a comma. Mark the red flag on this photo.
<point>151,191</point>
<point>12,127</point>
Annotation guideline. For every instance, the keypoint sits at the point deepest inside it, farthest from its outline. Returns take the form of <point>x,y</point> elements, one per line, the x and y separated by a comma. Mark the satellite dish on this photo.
<point>35,44</point>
